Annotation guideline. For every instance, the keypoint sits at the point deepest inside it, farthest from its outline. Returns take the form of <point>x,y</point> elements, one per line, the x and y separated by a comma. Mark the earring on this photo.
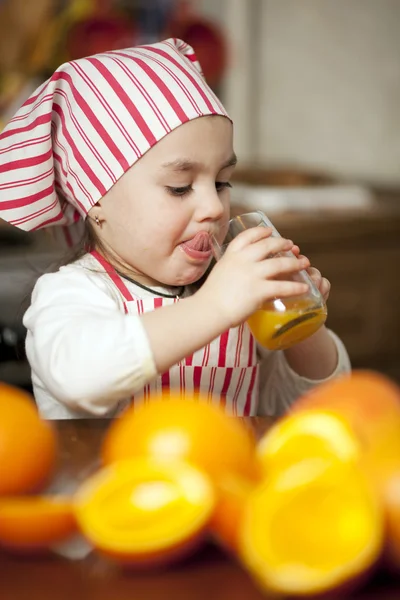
<point>97,221</point>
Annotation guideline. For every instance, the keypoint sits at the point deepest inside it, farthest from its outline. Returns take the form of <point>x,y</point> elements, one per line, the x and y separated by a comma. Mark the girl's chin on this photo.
<point>189,276</point>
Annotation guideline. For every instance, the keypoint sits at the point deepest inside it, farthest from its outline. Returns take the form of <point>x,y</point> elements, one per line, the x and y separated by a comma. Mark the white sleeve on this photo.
<point>84,349</point>
<point>280,386</point>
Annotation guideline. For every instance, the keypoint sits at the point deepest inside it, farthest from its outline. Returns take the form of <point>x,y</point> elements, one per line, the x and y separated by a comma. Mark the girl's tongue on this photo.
<point>198,247</point>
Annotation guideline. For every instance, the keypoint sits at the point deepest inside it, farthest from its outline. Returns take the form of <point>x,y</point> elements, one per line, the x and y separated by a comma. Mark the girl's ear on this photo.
<point>96,213</point>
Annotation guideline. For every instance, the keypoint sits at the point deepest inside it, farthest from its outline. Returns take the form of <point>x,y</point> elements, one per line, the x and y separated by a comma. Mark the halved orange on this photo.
<point>171,427</point>
<point>304,435</point>
<point>352,417</point>
<point>369,404</point>
<point>35,522</point>
<point>141,511</point>
<point>311,527</point>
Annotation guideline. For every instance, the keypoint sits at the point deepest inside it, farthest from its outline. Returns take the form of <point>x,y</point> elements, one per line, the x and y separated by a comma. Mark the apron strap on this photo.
<point>116,279</point>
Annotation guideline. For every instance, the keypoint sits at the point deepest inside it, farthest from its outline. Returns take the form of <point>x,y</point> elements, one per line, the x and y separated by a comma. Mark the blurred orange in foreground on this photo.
<point>369,404</point>
<point>27,443</point>
<point>354,417</point>
<point>35,522</point>
<point>352,423</point>
<point>233,492</point>
<point>311,527</point>
<point>182,428</point>
<point>145,513</point>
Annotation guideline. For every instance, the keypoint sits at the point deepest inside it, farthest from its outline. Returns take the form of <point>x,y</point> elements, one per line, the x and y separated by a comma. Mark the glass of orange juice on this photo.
<point>281,322</point>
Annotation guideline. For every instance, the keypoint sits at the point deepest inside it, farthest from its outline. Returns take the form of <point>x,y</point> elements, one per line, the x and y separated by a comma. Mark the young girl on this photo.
<point>137,145</point>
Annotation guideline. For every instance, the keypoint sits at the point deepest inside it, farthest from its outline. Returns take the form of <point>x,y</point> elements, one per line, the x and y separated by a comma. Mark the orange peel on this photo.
<point>141,511</point>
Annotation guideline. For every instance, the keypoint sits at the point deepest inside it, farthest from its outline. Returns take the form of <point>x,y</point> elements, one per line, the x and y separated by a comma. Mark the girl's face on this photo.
<point>157,218</point>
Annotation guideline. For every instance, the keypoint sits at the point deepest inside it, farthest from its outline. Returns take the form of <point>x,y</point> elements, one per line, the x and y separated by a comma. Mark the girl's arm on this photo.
<point>287,374</point>
<point>282,382</point>
<point>83,350</point>
<point>315,357</point>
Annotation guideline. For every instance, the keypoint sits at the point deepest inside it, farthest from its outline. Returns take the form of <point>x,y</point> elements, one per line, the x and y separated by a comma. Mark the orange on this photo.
<point>28,445</point>
<point>143,512</point>
<point>356,417</point>
<point>392,511</point>
<point>307,434</point>
<point>232,493</point>
<point>311,528</point>
<point>172,428</point>
<point>378,393</point>
<point>369,403</point>
<point>353,419</point>
<point>35,522</point>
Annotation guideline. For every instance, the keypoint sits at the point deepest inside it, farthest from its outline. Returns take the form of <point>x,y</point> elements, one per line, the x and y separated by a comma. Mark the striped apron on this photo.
<point>225,370</point>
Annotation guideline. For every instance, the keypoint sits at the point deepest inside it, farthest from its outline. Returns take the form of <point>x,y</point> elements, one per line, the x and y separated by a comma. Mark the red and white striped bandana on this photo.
<point>82,129</point>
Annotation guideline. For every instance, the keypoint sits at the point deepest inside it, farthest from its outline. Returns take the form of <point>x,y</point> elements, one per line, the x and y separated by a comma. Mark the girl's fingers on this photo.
<point>285,289</point>
<point>249,236</point>
<point>322,284</point>
<point>315,275</point>
<point>303,256</point>
<point>269,248</point>
<point>276,267</point>
<point>260,235</point>
<point>325,288</point>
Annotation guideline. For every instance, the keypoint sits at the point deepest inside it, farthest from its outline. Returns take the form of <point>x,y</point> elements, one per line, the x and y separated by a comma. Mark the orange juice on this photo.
<point>277,326</point>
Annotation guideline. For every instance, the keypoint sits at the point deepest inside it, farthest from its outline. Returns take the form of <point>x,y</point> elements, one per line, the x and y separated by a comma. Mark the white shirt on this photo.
<point>87,356</point>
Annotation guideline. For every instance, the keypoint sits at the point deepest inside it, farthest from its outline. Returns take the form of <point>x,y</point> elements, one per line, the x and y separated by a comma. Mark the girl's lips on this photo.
<point>198,247</point>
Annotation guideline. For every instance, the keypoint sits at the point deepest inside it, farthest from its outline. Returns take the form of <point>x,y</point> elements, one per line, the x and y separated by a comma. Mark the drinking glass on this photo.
<point>281,322</point>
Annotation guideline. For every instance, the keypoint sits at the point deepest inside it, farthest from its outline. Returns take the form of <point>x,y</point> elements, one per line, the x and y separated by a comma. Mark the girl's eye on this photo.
<point>221,185</point>
<point>179,191</point>
<point>182,191</point>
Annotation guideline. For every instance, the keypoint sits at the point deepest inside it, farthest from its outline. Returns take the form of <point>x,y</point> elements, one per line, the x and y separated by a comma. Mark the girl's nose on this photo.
<point>210,207</point>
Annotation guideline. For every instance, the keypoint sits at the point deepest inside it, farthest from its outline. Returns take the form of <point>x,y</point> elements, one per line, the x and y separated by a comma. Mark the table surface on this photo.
<point>210,574</point>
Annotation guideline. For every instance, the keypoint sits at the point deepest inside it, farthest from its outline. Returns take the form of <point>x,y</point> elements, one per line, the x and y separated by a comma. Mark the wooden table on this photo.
<point>209,575</point>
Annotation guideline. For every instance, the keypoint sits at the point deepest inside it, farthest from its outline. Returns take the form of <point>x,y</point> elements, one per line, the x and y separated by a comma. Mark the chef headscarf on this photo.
<point>83,128</point>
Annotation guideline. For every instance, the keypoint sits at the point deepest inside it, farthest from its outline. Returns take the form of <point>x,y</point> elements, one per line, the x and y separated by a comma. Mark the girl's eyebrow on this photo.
<point>181,164</point>
<point>231,162</point>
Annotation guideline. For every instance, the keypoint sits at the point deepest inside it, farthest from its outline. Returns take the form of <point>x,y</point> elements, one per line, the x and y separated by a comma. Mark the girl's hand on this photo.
<point>321,283</point>
<point>249,274</point>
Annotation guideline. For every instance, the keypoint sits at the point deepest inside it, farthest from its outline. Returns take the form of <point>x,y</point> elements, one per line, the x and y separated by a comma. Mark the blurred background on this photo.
<point>314,91</point>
